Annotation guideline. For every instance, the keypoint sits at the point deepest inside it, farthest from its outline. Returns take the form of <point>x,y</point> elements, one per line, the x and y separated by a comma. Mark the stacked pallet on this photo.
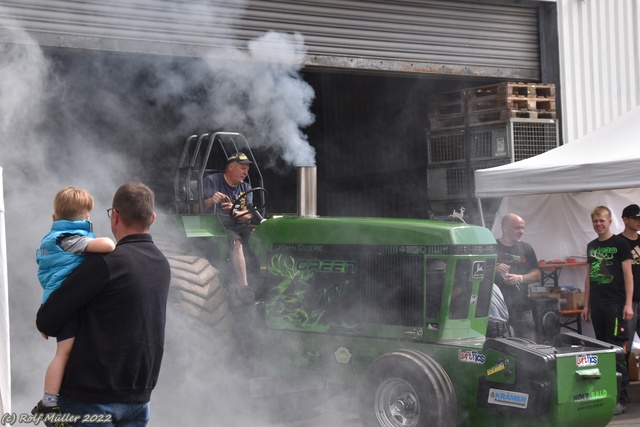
<point>492,104</point>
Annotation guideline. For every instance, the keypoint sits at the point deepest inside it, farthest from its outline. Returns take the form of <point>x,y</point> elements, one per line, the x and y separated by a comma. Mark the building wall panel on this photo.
<point>599,62</point>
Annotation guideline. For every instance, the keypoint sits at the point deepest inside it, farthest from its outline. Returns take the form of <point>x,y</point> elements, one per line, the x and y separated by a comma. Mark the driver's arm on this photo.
<point>217,197</point>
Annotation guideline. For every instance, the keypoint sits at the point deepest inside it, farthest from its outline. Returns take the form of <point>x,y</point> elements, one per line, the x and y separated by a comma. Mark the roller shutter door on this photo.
<point>434,37</point>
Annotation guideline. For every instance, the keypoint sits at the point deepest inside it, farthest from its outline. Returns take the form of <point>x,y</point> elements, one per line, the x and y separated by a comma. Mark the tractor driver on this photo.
<point>221,190</point>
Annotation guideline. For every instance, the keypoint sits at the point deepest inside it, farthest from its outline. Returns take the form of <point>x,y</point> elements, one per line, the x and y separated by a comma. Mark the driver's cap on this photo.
<point>239,158</point>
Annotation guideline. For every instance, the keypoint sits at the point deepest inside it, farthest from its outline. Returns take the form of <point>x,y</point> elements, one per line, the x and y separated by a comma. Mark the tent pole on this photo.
<point>480,211</point>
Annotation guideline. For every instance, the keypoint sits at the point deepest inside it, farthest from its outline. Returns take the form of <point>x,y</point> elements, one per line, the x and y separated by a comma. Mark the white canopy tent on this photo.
<point>556,191</point>
<point>606,159</point>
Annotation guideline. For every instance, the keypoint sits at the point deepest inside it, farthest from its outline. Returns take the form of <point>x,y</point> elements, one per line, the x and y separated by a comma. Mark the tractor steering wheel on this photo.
<point>250,208</point>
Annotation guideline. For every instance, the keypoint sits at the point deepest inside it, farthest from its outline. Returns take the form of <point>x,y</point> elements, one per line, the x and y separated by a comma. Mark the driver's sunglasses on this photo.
<point>111,209</point>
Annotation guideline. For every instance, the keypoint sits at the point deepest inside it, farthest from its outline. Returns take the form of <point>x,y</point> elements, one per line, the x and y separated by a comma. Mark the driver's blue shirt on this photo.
<point>213,183</point>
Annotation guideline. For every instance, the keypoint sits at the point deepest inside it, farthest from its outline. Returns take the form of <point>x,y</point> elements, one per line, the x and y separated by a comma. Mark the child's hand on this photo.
<point>44,336</point>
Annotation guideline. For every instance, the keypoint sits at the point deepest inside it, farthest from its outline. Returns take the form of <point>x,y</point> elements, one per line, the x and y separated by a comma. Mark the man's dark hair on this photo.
<point>135,203</point>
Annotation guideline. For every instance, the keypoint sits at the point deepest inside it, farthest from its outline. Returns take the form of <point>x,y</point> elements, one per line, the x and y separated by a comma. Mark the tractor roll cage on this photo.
<point>204,155</point>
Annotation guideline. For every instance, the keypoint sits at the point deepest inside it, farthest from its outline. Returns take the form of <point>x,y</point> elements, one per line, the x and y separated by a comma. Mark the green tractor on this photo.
<point>394,309</point>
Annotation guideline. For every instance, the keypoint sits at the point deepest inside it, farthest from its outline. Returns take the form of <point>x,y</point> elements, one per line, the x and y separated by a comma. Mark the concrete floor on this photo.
<point>632,417</point>
<point>342,412</point>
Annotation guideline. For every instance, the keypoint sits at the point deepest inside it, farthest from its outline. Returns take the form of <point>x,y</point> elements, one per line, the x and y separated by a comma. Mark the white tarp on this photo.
<point>558,226</point>
<point>5,365</point>
<point>608,158</point>
<point>556,191</point>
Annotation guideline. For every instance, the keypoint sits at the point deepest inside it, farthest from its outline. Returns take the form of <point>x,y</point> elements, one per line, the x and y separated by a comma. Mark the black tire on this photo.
<point>197,292</point>
<point>407,388</point>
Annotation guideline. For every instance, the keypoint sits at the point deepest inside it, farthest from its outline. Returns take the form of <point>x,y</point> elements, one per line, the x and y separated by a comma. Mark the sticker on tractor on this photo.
<point>501,370</point>
<point>342,355</point>
<point>471,356</point>
<point>326,266</point>
<point>497,368</point>
<point>590,395</point>
<point>311,294</point>
<point>508,398</point>
<point>478,270</point>
<point>586,360</point>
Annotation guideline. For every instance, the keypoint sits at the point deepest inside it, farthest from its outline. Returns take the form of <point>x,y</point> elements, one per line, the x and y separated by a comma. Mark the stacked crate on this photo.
<point>481,106</point>
<point>482,127</point>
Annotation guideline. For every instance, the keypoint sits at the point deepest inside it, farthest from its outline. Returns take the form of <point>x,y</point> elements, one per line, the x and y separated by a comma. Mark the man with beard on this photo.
<point>517,268</point>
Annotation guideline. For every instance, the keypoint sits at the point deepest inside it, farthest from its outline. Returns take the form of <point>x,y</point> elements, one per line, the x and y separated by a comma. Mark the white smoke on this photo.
<point>280,100</point>
<point>90,121</point>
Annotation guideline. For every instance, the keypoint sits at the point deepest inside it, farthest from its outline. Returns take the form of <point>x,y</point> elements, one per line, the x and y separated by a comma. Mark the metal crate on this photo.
<point>513,140</point>
<point>532,137</point>
<point>455,181</point>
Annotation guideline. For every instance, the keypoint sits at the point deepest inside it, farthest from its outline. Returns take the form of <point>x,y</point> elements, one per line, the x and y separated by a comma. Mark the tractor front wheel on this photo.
<point>407,388</point>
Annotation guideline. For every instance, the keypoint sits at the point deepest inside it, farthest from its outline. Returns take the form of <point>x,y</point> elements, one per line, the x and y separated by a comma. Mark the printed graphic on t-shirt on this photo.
<point>635,254</point>
<point>599,271</point>
<point>504,258</point>
<point>242,202</point>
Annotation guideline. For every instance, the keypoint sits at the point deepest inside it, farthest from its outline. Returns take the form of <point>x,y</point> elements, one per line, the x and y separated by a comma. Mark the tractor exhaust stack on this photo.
<point>307,191</point>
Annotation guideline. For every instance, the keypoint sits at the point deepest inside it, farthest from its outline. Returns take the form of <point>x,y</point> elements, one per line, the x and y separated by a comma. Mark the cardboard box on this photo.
<point>574,300</point>
<point>568,300</point>
<point>540,294</point>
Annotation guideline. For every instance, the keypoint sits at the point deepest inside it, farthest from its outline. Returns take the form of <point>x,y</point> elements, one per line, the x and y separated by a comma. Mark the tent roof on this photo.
<point>608,158</point>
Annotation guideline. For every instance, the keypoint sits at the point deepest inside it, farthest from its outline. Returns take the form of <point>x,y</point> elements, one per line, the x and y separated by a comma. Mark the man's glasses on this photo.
<point>109,211</point>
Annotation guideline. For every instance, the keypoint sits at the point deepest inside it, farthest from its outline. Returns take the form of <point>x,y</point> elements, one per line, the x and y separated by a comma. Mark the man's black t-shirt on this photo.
<point>521,259</point>
<point>635,266</point>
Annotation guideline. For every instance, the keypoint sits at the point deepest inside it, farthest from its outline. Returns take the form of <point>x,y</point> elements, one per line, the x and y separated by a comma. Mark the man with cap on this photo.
<point>631,218</point>
<point>221,190</point>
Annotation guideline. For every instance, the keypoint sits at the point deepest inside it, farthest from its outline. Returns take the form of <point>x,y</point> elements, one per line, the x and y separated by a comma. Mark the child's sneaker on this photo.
<point>46,410</point>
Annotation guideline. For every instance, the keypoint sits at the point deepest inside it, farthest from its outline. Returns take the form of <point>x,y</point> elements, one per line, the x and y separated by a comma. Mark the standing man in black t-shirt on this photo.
<point>631,218</point>
<point>517,268</point>
<point>609,290</point>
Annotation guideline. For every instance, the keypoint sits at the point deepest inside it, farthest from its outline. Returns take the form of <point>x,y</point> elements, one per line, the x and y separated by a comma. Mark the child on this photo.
<point>60,252</point>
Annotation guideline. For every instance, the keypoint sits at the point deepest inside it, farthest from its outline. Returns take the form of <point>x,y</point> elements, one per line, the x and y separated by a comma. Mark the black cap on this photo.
<point>239,158</point>
<point>631,211</point>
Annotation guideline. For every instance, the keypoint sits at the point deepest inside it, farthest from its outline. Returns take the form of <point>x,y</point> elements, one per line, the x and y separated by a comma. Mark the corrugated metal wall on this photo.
<point>599,62</point>
<point>409,36</point>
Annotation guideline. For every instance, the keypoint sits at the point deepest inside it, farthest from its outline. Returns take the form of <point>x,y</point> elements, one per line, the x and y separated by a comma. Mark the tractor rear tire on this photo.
<point>407,388</point>
<point>198,294</point>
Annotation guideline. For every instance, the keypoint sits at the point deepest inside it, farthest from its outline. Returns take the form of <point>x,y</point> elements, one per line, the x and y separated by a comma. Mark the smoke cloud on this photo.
<point>97,120</point>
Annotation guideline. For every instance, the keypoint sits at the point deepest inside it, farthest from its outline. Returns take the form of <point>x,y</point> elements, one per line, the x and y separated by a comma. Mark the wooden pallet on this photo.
<point>518,90</point>
<point>487,117</point>
<point>511,103</point>
<point>512,96</point>
<point>492,103</point>
<point>502,114</point>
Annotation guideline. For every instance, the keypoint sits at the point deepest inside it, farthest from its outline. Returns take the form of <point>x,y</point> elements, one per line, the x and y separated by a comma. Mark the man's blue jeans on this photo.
<point>105,414</point>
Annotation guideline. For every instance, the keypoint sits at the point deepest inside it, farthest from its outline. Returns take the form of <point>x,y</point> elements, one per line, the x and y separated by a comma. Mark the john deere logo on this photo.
<point>478,270</point>
<point>342,355</point>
